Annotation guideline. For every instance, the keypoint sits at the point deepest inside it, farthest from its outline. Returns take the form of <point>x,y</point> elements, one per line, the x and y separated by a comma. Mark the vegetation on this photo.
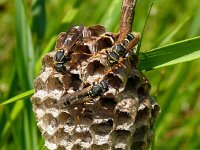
<point>28,31</point>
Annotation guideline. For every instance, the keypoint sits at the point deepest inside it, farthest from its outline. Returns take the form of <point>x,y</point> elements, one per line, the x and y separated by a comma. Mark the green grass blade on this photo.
<point>26,131</point>
<point>21,38</point>
<point>34,132</point>
<point>24,51</point>
<point>24,95</point>
<point>10,81</point>
<point>165,119</point>
<point>111,13</point>
<point>13,115</point>
<point>30,58</point>
<point>195,25</point>
<point>175,53</point>
<point>173,32</point>
<point>39,19</point>
<point>140,43</point>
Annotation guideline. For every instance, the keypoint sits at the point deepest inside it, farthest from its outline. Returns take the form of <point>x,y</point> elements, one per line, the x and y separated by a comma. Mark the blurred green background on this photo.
<point>28,30</point>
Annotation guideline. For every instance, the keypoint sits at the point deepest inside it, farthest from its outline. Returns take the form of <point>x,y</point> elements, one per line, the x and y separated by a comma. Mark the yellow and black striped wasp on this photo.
<point>66,43</point>
<point>120,50</point>
<point>95,90</point>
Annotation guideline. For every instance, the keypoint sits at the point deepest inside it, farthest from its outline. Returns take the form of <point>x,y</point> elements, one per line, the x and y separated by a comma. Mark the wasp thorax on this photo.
<point>61,57</point>
<point>98,89</point>
<point>119,49</point>
<point>116,112</point>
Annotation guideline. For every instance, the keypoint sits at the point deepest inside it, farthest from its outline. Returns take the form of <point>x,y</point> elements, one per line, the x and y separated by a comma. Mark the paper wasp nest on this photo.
<point>122,117</point>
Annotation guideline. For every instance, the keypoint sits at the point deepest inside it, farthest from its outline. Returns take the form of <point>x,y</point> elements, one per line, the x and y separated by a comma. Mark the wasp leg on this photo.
<point>119,64</point>
<point>96,54</point>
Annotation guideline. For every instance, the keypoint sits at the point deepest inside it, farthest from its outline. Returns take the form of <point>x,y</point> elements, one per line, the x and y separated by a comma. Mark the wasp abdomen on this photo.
<point>112,58</point>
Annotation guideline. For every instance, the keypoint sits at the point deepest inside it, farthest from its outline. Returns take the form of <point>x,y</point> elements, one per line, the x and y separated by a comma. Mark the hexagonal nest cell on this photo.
<point>122,114</point>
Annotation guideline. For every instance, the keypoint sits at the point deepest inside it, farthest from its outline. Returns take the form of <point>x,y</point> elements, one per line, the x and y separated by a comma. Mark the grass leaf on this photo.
<point>24,51</point>
<point>39,19</point>
<point>18,97</point>
<point>195,27</point>
<point>145,23</point>
<point>174,31</point>
<point>175,53</point>
<point>111,13</point>
<point>13,115</point>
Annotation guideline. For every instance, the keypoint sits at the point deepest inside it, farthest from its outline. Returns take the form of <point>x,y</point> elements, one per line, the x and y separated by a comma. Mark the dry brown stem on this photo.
<point>127,17</point>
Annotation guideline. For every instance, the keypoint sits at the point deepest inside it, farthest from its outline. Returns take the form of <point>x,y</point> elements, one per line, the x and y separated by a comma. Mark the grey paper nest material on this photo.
<point>121,118</point>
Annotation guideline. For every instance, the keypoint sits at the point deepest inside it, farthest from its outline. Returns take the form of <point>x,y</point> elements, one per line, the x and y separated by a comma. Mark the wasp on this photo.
<point>121,49</point>
<point>65,44</point>
<point>95,90</point>
<point>98,89</point>
<point>59,59</point>
<point>116,52</point>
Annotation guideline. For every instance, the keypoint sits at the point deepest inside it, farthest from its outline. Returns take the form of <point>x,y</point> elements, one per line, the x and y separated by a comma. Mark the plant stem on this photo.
<point>127,16</point>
